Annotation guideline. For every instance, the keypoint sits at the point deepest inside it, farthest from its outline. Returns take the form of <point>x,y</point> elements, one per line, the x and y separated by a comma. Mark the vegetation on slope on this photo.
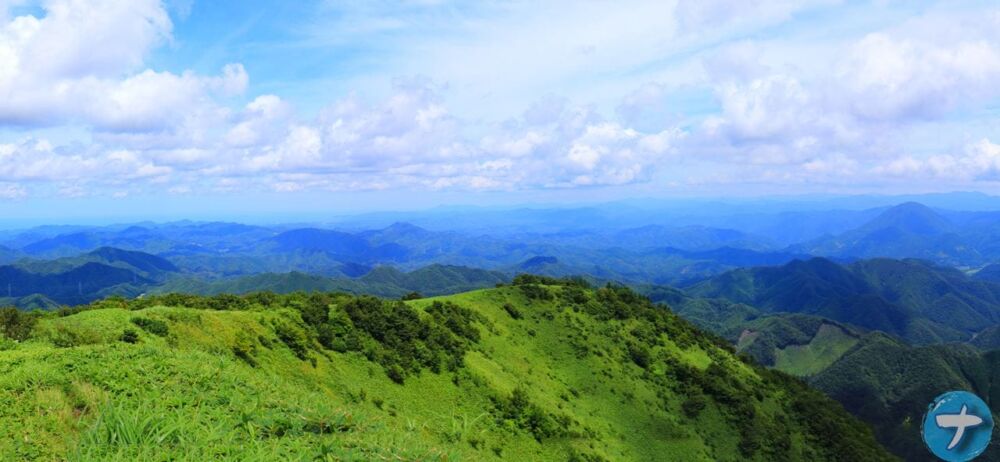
<point>889,385</point>
<point>544,370</point>
<point>912,299</point>
<point>384,281</point>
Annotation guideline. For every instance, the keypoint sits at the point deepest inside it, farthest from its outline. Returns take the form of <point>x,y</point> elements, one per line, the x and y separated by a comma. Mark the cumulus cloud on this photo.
<point>979,161</point>
<point>38,160</point>
<point>888,78</point>
<point>81,62</point>
<point>772,112</point>
<point>855,106</point>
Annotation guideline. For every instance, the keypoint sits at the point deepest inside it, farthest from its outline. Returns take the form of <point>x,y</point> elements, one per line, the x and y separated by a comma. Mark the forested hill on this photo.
<point>913,299</point>
<point>542,370</point>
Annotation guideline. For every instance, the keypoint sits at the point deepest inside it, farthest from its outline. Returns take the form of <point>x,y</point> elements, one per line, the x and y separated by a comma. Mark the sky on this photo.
<point>198,109</point>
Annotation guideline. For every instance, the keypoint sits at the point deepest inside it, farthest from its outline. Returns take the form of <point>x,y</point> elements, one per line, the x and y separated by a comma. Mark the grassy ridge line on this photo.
<point>542,373</point>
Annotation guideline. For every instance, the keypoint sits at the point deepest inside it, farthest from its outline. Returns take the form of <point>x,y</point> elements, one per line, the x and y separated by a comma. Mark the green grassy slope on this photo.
<point>798,344</point>
<point>530,372</point>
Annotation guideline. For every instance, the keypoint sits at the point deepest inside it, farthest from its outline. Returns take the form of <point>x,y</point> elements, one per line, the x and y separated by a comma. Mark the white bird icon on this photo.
<point>960,421</point>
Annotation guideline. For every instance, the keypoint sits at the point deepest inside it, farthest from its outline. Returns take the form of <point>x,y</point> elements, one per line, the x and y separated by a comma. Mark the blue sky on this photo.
<point>188,108</point>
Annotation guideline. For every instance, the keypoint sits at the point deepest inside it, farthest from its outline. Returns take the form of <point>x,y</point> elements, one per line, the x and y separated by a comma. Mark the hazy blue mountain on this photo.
<point>8,255</point>
<point>988,273</point>
<point>339,245</point>
<point>729,256</point>
<point>909,230</point>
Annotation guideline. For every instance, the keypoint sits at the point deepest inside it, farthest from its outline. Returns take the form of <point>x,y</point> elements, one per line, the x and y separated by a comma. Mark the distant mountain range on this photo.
<point>651,253</point>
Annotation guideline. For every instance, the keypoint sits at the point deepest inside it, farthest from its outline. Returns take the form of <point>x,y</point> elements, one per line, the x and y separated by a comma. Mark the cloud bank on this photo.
<point>688,95</point>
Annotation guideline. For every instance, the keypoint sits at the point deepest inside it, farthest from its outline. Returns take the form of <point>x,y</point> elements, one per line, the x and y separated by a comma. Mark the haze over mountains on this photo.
<point>878,308</point>
<point>657,253</point>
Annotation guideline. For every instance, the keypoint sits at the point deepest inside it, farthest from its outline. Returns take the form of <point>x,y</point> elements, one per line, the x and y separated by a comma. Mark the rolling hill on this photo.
<point>527,372</point>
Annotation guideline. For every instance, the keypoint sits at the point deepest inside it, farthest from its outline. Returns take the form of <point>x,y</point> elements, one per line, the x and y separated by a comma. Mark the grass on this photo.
<point>829,344</point>
<point>555,384</point>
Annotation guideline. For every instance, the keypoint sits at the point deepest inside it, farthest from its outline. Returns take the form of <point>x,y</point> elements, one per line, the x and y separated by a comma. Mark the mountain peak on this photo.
<point>402,227</point>
<point>911,217</point>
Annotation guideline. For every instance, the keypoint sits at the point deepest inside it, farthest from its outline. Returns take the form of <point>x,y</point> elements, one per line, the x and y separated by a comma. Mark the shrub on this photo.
<point>535,292</point>
<point>640,355</point>
<point>315,309</point>
<point>153,326</point>
<point>693,405</point>
<point>226,302</point>
<point>130,336</point>
<point>16,324</point>
<point>412,296</point>
<point>396,373</point>
<point>397,337</point>
<point>294,338</point>
<point>264,298</point>
<point>64,337</point>
<point>519,411</point>
<point>245,348</point>
<point>512,311</point>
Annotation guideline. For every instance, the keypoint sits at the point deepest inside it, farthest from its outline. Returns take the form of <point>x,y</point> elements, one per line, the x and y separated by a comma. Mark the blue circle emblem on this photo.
<point>958,426</point>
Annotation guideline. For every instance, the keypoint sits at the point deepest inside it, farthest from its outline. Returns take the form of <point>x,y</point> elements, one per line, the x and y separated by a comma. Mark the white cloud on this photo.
<point>884,77</point>
<point>38,160</point>
<point>81,62</point>
<point>638,81</point>
<point>978,161</point>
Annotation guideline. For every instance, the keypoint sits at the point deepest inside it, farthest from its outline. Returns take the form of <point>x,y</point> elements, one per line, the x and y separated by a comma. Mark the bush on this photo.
<point>130,336</point>
<point>535,292</point>
<point>519,411</point>
<point>394,334</point>
<point>16,324</point>
<point>512,311</point>
<point>396,373</point>
<point>226,302</point>
<point>245,348</point>
<point>315,309</point>
<point>640,355</point>
<point>693,405</point>
<point>153,326</point>
<point>412,296</point>
<point>294,338</point>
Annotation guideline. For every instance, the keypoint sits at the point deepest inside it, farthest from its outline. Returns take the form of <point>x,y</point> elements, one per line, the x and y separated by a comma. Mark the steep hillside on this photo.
<point>879,379</point>
<point>889,385</point>
<point>798,344</point>
<point>530,372</point>
<point>915,300</point>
